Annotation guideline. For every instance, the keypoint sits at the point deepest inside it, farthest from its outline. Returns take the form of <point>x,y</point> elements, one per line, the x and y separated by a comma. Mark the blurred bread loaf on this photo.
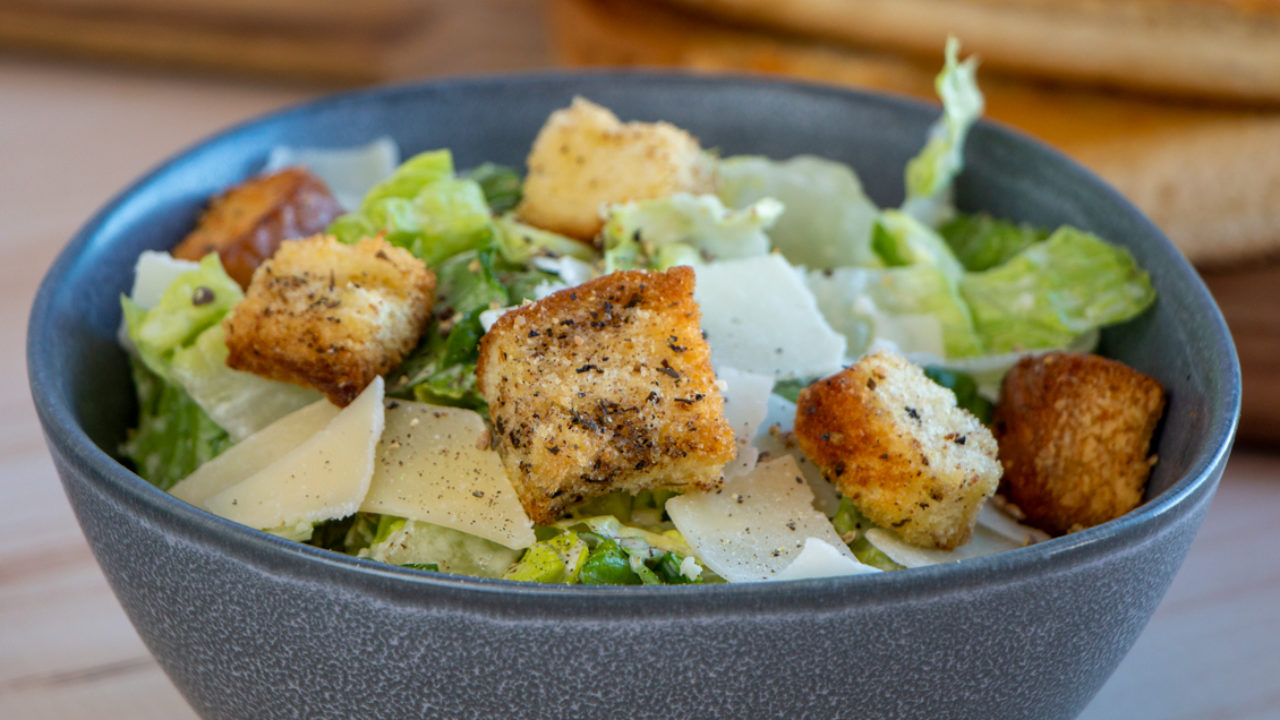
<point>1196,48</point>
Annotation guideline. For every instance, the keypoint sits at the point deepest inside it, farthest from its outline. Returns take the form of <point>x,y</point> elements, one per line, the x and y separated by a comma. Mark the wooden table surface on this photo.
<point>71,135</point>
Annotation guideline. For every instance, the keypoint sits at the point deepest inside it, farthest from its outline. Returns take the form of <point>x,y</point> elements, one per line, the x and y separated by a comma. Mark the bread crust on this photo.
<point>1205,48</point>
<point>246,224</point>
<point>1074,432</point>
<point>895,444</point>
<point>602,387</point>
<point>331,316</point>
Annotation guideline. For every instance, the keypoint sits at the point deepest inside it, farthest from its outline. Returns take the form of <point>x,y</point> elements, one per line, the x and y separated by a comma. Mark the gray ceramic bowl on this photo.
<point>251,626</point>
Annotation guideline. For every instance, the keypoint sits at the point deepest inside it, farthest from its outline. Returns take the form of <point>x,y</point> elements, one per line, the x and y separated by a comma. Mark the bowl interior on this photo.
<point>80,378</point>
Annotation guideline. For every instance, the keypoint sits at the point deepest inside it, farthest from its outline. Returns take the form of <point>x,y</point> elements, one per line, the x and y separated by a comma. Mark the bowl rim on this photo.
<point>65,434</point>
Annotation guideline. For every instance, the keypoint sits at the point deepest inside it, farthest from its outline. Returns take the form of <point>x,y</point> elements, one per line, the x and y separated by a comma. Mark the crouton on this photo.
<point>246,224</point>
<point>1074,432</point>
<point>602,387</point>
<point>331,316</point>
<point>895,443</point>
<point>584,157</point>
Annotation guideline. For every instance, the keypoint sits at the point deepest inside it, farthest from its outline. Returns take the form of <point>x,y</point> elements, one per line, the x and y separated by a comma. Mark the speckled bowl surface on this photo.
<point>251,626</point>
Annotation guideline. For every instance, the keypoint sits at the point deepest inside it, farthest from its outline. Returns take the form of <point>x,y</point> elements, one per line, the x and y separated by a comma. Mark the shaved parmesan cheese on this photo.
<point>983,542</point>
<point>746,403</point>
<point>779,333</point>
<point>349,172</point>
<point>819,559</point>
<point>253,454</point>
<point>994,518</point>
<point>153,274</point>
<point>434,465</point>
<point>325,477</point>
<point>775,439</point>
<point>756,525</point>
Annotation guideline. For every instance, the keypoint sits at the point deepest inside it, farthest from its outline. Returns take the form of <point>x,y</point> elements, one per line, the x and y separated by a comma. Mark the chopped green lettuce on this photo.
<point>240,402</point>
<point>602,550</point>
<point>685,229</point>
<point>521,243</point>
<point>502,185</point>
<point>1052,292</point>
<point>852,526</point>
<point>410,178</point>
<point>423,208</point>
<point>916,308</point>
<point>965,389</point>
<point>181,339</point>
<point>441,369</point>
<point>900,239</point>
<point>827,218</point>
<point>173,436</point>
<point>557,559</point>
<point>194,302</point>
<point>410,542</point>
<point>981,242</point>
<point>930,173</point>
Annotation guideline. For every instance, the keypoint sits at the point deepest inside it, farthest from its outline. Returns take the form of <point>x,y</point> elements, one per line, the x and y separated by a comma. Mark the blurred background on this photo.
<point>1175,102</point>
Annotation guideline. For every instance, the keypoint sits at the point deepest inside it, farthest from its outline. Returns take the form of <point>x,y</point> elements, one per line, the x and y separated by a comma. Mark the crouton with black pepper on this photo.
<point>584,157</point>
<point>895,443</point>
<point>1074,433</point>
<point>331,316</point>
<point>602,387</point>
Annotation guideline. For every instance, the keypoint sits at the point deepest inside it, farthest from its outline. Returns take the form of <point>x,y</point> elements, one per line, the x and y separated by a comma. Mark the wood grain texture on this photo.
<point>332,41</point>
<point>67,651</point>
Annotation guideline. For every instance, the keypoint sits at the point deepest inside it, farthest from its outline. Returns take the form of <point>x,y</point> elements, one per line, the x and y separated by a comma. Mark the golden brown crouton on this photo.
<point>584,157</point>
<point>1074,431</point>
<point>331,316</point>
<point>247,223</point>
<point>605,386</point>
<point>896,445</point>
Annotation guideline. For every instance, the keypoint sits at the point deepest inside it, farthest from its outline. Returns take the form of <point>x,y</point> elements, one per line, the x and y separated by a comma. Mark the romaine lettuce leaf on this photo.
<point>441,370</point>
<point>981,242</point>
<point>685,229</point>
<point>241,403</point>
<point>410,178</point>
<point>900,239</point>
<point>502,186</point>
<point>1054,291</point>
<point>827,218</point>
<point>916,308</point>
<point>410,542</point>
<point>174,436</point>
<point>521,243</point>
<point>181,340</point>
<point>194,302</point>
<point>929,174</point>
<point>423,208</point>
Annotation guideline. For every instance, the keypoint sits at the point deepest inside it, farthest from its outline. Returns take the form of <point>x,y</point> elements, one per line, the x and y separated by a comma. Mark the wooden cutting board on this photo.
<point>1208,175</point>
